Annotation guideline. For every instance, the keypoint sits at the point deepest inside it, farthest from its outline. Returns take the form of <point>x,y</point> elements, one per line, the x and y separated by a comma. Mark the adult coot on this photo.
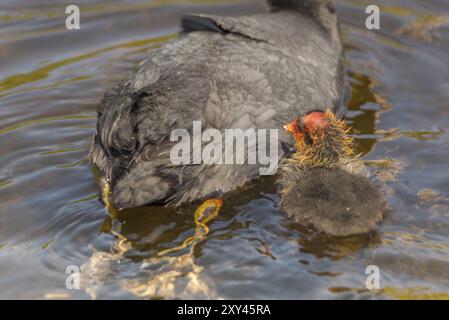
<point>247,72</point>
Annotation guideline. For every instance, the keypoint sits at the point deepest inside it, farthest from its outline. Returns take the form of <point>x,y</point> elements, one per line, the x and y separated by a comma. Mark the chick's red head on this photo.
<point>312,124</point>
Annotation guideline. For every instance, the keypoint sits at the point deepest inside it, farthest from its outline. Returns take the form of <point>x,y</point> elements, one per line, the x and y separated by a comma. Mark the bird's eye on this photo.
<point>308,139</point>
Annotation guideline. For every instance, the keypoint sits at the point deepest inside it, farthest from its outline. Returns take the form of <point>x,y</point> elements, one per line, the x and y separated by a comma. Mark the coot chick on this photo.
<point>227,72</point>
<point>324,185</point>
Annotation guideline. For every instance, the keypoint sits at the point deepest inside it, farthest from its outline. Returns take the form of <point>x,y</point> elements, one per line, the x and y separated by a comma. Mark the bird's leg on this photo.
<point>207,211</point>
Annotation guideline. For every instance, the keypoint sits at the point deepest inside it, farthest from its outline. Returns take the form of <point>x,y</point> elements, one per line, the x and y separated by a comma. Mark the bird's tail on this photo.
<point>322,11</point>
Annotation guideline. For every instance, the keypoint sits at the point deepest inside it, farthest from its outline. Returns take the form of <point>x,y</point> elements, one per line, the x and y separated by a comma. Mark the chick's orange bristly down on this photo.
<point>295,130</point>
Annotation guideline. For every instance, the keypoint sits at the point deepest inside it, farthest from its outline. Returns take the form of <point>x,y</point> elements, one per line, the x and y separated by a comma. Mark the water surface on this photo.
<point>51,81</point>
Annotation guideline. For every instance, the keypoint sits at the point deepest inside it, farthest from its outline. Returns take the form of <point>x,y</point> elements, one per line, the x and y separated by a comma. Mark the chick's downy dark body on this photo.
<point>334,201</point>
<point>324,185</point>
<point>246,72</point>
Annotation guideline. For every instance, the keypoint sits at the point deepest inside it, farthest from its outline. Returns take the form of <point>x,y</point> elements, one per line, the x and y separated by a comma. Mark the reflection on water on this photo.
<point>363,108</point>
<point>51,214</point>
<point>424,28</point>
<point>43,72</point>
<point>163,275</point>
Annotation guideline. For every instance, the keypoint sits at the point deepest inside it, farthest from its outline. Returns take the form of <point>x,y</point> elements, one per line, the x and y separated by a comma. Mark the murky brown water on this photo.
<point>52,79</point>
